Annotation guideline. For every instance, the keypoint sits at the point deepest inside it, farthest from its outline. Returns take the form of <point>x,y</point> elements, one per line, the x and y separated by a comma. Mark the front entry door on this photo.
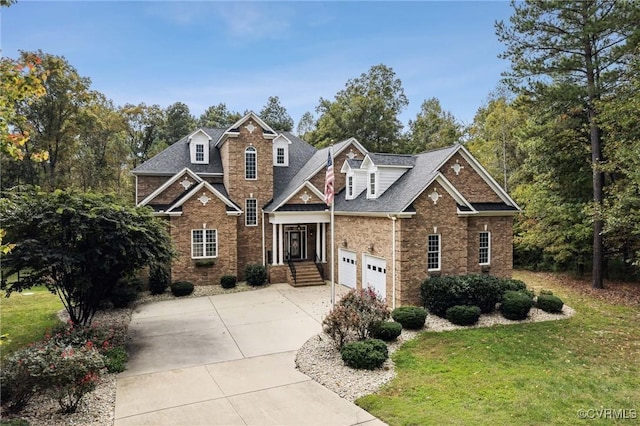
<point>295,245</point>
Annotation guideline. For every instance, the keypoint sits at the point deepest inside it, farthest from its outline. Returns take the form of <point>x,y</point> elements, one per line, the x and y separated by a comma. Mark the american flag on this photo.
<point>329,181</point>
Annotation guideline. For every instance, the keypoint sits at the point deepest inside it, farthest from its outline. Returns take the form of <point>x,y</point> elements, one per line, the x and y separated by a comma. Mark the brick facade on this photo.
<point>239,244</point>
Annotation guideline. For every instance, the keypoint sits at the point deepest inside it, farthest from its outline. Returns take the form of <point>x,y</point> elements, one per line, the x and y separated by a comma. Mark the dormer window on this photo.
<point>199,153</point>
<point>349,187</point>
<point>280,156</point>
<point>199,147</point>
<point>250,163</point>
<point>281,151</point>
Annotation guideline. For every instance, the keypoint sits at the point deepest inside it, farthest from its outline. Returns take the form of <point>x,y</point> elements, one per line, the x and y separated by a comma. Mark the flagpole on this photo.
<point>333,283</point>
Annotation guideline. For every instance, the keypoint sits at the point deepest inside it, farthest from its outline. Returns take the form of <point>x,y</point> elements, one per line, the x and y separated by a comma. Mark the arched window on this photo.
<point>250,163</point>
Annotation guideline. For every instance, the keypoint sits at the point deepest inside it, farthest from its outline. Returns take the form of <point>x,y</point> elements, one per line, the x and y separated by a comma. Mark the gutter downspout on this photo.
<point>393,259</point>
<point>263,246</point>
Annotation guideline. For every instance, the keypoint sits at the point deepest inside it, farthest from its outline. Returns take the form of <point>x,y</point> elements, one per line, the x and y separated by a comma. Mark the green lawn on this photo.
<point>535,374</point>
<point>25,317</point>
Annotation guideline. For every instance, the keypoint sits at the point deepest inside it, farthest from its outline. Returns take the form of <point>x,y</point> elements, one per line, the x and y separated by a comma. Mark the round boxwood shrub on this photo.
<point>386,330</point>
<point>411,317</point>
<point>549,303</point>
<point>365,354</point>
<point>515,305</point>
<point>483,291</point>
<point>181,288</point>
<point>158,279</point>
<point>463,314</point>
<point>256,274</point>
<point>441,293</point>
<point>228,281</point>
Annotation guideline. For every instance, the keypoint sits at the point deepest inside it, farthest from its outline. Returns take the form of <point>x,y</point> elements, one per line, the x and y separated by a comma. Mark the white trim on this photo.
<point>306,184</point>
<point>204,242</point>
<point>400,215</point>
<point>290,218</point>
<point>167,184</point>
<point>439,268</point>
<point>207,185</point>
<point>246,212</point>
<point>488,262</point>
<point>250,115</point>
<point>253,149</point>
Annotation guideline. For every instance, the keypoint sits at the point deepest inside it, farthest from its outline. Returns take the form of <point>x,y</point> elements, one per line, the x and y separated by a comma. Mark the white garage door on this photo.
<point>347,268</point>
<point>375,274</point>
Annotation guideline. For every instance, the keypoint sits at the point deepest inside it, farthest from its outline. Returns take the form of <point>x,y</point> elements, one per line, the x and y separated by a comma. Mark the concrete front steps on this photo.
<point>307,274</point>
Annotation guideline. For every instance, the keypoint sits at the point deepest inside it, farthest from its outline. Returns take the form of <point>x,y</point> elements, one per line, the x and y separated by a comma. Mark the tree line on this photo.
<point>560,134</point>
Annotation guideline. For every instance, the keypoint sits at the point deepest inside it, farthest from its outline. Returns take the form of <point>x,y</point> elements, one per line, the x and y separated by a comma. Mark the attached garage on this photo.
<point>374,274</point>
<point>347,268</point>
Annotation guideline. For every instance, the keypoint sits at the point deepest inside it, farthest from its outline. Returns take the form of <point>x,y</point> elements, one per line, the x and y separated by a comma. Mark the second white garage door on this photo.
<point>374,273</point>
<point>347,268</point>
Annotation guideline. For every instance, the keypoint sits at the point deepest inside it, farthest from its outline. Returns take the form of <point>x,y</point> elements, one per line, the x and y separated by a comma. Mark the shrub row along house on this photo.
<point>249,194</point>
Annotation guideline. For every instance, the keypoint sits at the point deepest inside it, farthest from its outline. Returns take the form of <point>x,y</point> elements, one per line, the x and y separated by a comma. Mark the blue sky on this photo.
<point>240,53</point>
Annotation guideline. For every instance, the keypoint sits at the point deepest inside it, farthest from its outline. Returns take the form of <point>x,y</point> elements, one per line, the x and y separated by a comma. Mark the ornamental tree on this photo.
<point>78,244</point>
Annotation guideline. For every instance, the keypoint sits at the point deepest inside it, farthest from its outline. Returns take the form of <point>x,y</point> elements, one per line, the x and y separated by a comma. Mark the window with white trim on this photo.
<point>484,254</point>
<point>251,212</point>
<point>349,186</point>
<point>433,252</point>
<point>372,184</point>
<point>250,163</point>
<point>204,243</point>
<point>199,153</point>
<point>279,155</point>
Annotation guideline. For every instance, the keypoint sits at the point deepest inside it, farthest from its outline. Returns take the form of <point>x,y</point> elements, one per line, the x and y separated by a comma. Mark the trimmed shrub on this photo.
<point>354,316</point>
<point>483,291</point>
<point>386,330</point>
<point>549,303</point>
<point>158,279</point>
<point>515,285</point>
<point>515,305</point>
<point>256,274</point>
<point>228,281</point>
<point>411,317</point>
<point>125,292</point>
<point>547,292</point>
<point>64,372</point>
<point>463,314</point>
<point>441,293</point>
<point>181,288</point>
<point>365,354</point>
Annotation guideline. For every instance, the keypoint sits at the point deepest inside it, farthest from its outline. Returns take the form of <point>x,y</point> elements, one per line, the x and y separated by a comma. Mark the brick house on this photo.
<point>249,194</point>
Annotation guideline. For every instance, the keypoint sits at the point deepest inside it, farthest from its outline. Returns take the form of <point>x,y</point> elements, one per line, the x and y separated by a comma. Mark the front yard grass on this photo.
<point>535,373</point>
<point>25,317</point>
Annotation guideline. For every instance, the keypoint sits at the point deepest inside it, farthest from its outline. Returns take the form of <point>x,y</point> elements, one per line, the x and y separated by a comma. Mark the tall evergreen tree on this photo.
<point>432,128</point>
<point>275,115</point>
<point>178,123</point>
<point>218,116</point>
<point>579,44</point>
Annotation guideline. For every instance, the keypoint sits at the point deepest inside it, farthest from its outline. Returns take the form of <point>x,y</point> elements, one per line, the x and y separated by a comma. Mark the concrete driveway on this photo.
<point>229,360</point>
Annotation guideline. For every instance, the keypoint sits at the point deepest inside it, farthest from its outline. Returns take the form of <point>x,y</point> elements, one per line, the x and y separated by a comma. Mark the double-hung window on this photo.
<point>250,163</point>
<point>199,153</point>
<point>204,243</point>
<point>349,186</point>
<point>251,212</point>
<point>433,252</point>
<point>484,254</point>
<point>279,155</point>
<point>372,184</point>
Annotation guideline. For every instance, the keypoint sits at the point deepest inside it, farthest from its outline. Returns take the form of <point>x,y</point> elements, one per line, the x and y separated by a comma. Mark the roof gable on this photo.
<point>168,183</point>
<point>234,129</point>
<point>232,207</point>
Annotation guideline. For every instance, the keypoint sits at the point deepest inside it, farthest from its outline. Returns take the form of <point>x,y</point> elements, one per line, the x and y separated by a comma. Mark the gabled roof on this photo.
<point>310,168</point>
<point>168,183</point>
<point>177,157</point>
<point>399,196</point>
<point>217,189</point>
<point>234,129</point>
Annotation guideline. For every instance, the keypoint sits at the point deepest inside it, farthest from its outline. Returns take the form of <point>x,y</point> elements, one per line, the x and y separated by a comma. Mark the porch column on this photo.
<point>280,244</point>
<point>274,250</point>
<point>318,247</point>
<point>324,242</point>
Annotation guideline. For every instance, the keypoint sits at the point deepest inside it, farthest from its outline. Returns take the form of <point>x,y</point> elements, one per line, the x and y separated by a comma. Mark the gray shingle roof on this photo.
<point>176,157</point>
<point>299,153</point>
<point>306,172</point>
<point>401,194</point>
<point>403,160</point>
